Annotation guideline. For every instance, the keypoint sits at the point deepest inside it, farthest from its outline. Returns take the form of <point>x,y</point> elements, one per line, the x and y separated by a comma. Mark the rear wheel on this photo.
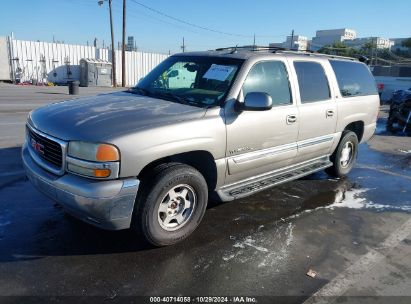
<point>345,155</point>
<point>171,204</point>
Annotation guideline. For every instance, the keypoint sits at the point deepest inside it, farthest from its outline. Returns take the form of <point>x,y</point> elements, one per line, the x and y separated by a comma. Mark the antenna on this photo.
<point>183,47</point>
<point>234,50</point>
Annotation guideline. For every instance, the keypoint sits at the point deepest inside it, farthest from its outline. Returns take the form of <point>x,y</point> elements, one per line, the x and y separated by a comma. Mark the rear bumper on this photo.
<point>105,204</point>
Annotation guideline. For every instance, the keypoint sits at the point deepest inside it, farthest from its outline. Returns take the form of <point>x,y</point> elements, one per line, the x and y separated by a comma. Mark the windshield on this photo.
<point>194,80</point>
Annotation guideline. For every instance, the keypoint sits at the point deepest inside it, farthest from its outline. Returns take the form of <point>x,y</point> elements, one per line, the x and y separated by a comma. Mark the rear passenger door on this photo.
<point>317,109</point>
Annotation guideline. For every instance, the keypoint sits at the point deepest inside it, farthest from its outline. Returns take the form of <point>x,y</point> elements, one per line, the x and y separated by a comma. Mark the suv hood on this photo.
<point>106,116</point>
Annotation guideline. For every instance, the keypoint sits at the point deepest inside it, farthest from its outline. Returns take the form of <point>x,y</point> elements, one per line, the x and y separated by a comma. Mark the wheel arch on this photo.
<point>201,160</point>
<point>357,127</point>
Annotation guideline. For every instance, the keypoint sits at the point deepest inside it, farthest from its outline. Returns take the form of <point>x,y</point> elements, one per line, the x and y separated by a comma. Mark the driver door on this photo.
<point>262,141</point>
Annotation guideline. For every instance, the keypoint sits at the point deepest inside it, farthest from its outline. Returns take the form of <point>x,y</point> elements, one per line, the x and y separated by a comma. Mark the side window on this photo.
<point>269,77</point>
<point>354,78</point>
<point>312,81</point>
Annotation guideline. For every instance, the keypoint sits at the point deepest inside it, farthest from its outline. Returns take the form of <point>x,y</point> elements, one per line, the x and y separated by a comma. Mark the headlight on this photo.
<point>93,160</point>
<point>93,152</point>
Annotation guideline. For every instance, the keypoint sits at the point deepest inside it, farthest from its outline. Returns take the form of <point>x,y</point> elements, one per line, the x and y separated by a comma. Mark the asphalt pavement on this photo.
<point>353,233</point>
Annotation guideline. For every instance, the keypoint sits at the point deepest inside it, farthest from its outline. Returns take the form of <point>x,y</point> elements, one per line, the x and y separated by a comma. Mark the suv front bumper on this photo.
<point>105,204</point>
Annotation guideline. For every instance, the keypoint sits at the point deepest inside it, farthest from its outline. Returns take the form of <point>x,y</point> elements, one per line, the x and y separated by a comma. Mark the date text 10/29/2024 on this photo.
<point>203,299</point>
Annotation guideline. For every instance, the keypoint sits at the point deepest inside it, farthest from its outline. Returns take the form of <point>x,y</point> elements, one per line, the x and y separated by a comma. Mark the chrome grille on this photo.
<point>45,148</point>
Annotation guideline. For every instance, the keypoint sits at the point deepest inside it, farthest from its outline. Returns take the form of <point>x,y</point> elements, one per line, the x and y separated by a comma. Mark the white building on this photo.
<point>297,42</point>
<point>327,37</point>
<point>378,42</point>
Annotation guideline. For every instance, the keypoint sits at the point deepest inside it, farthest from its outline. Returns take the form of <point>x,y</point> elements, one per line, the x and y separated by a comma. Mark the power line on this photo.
<point>189,23</point>
<point>150,18</point>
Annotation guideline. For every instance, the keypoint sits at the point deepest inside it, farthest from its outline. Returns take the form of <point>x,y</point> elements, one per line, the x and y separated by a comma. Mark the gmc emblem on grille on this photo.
<point>39,148</point>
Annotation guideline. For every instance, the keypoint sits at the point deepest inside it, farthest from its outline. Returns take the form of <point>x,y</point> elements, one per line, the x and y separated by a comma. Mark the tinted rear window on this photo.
<point>312,81</point>
<point>354,79</point>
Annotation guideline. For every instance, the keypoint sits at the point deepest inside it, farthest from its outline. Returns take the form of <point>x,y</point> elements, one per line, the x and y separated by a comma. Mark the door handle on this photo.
<point>291,119</point>
<point>329,113</point>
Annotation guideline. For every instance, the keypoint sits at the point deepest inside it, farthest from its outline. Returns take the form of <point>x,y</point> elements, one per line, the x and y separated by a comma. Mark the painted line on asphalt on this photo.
<point>347,279</point>
<point>359,166</point>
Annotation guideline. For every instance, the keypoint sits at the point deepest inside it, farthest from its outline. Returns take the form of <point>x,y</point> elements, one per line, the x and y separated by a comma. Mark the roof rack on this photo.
<point>274,49</point>
<point>311,53</point>
<point>251,48</point>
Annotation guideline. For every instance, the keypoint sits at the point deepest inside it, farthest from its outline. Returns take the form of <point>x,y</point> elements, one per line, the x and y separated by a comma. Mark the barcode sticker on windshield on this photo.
<point>218,72</point>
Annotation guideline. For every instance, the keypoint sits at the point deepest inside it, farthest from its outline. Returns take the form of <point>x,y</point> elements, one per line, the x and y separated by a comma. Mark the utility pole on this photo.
<point>292,38</point>
<point>123,51</point>
<point>113,50</point>
<point>254,46</point>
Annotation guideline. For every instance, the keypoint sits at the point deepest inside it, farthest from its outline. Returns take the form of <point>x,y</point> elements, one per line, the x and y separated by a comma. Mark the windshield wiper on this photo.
<point>180,99</point>
<point>140,91</point>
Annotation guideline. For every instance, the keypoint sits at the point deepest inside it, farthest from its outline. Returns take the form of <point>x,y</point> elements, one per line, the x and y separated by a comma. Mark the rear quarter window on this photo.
<point>354,78</point>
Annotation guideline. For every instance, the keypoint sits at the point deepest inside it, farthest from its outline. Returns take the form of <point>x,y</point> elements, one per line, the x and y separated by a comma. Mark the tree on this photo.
<point>368,46</point>
<point>338,48</point>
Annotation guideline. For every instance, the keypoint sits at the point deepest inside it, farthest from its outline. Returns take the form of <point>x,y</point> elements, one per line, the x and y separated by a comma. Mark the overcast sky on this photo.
<point>79,21</point>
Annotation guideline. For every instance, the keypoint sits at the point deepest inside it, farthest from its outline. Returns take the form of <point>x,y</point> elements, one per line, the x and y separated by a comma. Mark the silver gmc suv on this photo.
<point>224,123</point>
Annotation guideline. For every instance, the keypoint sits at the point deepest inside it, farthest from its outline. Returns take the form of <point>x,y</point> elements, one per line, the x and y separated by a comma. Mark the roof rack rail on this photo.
<point>275,49</point>
<point>251,48</point>
<point>311,53</point>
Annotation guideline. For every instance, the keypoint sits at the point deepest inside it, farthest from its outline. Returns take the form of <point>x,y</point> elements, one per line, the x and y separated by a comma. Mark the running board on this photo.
<point>273,178</point>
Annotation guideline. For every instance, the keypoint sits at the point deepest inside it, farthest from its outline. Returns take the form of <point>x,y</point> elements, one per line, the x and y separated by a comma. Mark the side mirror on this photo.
<point>173,73</point>
<point>256,101</point>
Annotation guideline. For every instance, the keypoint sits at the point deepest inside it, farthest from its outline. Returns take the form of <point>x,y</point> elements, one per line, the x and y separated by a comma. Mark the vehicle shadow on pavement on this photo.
<point>33,227</point>
<point>11,168</point>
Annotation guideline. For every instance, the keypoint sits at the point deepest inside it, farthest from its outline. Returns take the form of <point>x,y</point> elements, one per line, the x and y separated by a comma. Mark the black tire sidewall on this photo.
<point>169,178</point>
<point>347,137</point>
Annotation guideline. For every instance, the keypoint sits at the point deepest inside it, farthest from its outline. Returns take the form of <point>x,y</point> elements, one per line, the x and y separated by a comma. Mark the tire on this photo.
<point>343,162</point>
<point>171,204</point>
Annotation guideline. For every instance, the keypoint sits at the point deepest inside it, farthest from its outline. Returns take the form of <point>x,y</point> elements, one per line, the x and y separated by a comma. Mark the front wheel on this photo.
<point>345,155</point>
<point>171,204</point>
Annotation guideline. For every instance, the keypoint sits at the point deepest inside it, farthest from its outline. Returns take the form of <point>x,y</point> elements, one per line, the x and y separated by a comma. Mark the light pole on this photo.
<point>113,52</point>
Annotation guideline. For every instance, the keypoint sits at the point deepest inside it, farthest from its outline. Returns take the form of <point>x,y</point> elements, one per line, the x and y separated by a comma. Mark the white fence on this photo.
<point>35,61</point>
<point>138,64</point>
